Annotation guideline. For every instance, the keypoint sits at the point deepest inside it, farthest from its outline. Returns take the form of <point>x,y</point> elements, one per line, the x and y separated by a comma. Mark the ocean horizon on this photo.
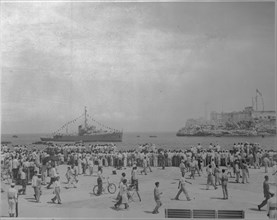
<point>167,140</point>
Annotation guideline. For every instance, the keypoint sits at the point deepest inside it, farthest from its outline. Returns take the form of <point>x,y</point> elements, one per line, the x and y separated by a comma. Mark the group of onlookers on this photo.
<point>25,165</point>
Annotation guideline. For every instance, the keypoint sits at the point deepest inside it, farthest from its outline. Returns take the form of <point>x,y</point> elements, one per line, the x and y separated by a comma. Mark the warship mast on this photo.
<point>85,117</point>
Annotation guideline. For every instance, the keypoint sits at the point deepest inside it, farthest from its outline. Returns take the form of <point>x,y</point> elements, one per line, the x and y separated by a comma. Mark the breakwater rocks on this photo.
<point>225,133</point>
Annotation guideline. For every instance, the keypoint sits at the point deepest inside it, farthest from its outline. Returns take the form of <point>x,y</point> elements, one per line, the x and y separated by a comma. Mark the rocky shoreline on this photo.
<point>224,133</point>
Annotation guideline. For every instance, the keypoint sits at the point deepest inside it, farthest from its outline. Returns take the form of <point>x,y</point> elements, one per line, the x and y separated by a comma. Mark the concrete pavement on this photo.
<point>81,203</point>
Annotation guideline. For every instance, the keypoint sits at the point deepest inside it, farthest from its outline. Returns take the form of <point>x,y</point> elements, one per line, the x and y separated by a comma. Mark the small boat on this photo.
<point>15,136</point>
<point>152,136</point>
<point>138,136</point>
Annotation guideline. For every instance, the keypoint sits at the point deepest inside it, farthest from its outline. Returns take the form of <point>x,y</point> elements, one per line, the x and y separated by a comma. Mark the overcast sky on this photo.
<point>136,66</point>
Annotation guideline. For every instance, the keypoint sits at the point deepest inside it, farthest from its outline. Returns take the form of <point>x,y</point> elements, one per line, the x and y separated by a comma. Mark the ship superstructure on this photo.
<point>86,132</point>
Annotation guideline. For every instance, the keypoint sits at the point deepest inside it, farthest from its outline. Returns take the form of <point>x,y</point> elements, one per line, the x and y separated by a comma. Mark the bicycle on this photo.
<point>107,186</point>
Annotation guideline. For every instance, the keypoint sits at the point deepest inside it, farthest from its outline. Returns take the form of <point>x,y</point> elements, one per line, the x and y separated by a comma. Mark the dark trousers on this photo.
<point>52,180</point>
<point>158,205</point>
<point>15,174</point>
<point>100,185</point>
<point>23,189</point>
<point>163,163</point>
<point>119,201</point>
<point>265,201</point>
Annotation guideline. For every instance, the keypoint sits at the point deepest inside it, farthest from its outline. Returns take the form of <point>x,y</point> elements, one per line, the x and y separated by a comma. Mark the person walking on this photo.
<point>267,193</point>
<point>237,171</point>
<point>192,166</point>
<point>100,183</point>
<point>123,198</point>
<point>38,188</point>
<point>12,200</point>
<point>75,172</point>
<point>182,167</point>
<point>68,174</point>
<point>244,170</point>
<point>34,183</point>
<point>57,190</point>
<point>266,163</point>
<point>274,172</point>
<point>134,180</point>
<point>71,177</point>
<point>162,160</point>
<point>210,179</point>
<point>157,197</point>
<point>182,188</point>
<point>272,207</point>
<point>53,175</point>
<point>15,168</point>
<point>224,182</point>
<point>144,164</point>
<point>90,166</point>
<point>217,175</point>
<point>229,170</point>
<point>148,163</point>
<point>23,183</point>
<point>123,177</point>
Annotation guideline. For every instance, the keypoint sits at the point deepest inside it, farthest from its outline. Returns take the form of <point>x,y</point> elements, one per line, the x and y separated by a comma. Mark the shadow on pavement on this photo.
<point>118,209</point>
<point>256,209</point>
<point>220,198</point>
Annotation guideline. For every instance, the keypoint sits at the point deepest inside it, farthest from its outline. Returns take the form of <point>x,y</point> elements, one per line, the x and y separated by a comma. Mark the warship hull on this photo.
<point>104,137</point>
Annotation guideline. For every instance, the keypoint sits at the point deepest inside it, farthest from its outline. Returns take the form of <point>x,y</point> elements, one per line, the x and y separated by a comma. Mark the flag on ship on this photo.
<point>257,91</point>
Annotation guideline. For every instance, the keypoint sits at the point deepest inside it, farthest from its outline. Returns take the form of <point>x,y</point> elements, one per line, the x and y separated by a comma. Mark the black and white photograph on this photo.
<point>138,109</point>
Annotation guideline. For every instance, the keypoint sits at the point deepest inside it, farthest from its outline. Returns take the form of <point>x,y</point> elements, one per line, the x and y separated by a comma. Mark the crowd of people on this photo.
<point>26,165</point>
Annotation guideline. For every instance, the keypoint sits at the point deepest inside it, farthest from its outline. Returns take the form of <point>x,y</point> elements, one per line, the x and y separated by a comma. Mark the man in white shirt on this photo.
<point>15,166</point>
<point>34,183</point>
<point>12,200</point>
<point>182,188</point>
<point>57,190</point>
<point>53,175</point>
<point>157,197</point>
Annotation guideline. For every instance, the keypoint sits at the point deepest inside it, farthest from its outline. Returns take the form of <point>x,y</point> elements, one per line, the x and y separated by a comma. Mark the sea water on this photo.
<point>167,140</point>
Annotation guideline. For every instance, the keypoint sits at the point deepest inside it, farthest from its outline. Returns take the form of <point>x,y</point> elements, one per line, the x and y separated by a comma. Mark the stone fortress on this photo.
<point>248,122</point>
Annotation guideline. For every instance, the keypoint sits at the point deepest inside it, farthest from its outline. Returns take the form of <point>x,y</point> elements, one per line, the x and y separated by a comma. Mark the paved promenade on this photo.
<point>81,203</point>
